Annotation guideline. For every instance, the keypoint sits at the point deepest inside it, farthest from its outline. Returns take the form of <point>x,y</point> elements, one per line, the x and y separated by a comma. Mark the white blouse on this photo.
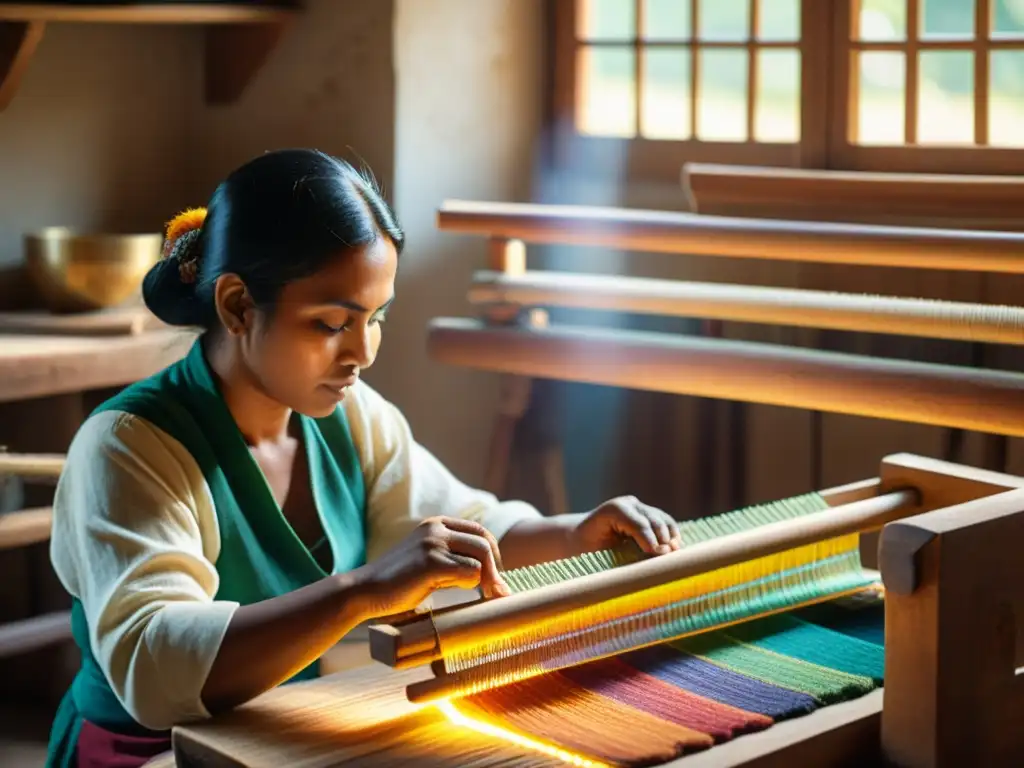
<point>135,539</point>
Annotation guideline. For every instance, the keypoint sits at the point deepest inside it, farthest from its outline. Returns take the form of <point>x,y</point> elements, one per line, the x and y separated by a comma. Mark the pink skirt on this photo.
<point>100,748</point>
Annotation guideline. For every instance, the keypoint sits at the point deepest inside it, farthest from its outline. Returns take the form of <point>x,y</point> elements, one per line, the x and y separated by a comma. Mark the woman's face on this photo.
<point>325,330</point>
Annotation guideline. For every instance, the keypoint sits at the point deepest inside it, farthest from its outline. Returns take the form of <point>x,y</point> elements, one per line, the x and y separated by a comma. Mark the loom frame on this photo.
<point>964,514</point>
<point>956,545</point>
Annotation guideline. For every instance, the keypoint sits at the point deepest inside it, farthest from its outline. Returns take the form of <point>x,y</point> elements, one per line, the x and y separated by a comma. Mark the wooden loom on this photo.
<point>954,582</point>
<point>513,340</point>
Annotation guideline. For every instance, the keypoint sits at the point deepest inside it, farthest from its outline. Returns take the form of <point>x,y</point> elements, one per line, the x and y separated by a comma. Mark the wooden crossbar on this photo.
<point>925,318</point>
<point>779,240</point>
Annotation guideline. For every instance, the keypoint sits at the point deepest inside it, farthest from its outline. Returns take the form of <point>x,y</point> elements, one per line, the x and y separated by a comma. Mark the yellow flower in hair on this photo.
<point>180,242</point>
<point>188,220</point>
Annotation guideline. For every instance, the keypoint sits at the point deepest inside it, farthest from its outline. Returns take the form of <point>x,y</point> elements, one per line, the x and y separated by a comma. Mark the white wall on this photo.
<point>468,101</point>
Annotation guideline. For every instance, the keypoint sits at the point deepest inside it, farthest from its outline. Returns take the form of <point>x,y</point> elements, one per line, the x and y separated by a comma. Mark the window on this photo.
<point>645,85</point>
<point>926,84</point>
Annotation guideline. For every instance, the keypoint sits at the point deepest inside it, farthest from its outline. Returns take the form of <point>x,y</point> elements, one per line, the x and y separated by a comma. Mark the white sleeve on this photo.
<point>406,483</point>
<point>135,539</point>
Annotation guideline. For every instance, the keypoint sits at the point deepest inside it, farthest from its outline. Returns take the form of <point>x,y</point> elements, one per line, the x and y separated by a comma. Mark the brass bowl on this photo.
<point>85,272</point>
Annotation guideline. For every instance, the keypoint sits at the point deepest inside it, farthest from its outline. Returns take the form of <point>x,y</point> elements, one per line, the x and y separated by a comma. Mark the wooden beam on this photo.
<point>721,189</point>
<point>779,240</point>
<point>922,318</point>
<point>31,465</point>
<point>900,390</point>
<point>27,526</point>
<point>149,13</point>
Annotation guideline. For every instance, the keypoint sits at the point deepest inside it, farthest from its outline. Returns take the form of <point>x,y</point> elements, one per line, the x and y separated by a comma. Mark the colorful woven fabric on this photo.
<point>654,704</point>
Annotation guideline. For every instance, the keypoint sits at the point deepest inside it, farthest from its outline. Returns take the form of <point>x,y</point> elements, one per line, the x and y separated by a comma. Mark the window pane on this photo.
<point>606,103</point>
<point>880,102</point>
<point>778,96</point>
<point>947,18</point>
<point>666,94</point>
<point>724,19</point>
<point>606,19</point>
<point>882,20</point>
<point>667,19</point>
<point>945,98</point>
<point>1008,18</point>
<point>722,96</point>
<point>779,20</point>
<point>1006,99</point>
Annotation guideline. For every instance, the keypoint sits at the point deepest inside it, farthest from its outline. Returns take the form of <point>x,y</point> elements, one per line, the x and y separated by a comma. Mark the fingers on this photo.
<point>638,528</point>
<point>472,527</point>
<point>652,529</point>
<point>467,556</point>
<point>665,528</point>
<point>476,552</point>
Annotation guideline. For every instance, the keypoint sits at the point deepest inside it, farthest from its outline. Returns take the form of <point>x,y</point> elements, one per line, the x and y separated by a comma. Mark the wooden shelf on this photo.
<point>44,366</point>
<point>239,38</point>
<point>150,13</point>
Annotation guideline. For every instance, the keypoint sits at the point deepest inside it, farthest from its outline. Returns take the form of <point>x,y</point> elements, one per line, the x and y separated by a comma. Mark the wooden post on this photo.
<point>508,256</point>
<point>954,600</point>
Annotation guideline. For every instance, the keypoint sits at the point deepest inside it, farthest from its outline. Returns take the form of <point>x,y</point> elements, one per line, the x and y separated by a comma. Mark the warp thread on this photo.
<point>655,704</point>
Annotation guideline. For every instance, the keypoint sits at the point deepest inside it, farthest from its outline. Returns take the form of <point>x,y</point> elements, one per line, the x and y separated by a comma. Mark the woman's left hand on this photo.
<point>652,529</point>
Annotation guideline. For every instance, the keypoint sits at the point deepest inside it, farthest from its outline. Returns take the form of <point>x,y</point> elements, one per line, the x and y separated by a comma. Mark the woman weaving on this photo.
<point>224,523</point>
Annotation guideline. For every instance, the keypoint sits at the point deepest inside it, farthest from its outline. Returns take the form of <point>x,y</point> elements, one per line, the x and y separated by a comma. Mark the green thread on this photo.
<point>691,532</point>
<point>798,639</point>
<point>777,650</point>
<point>828,686</point>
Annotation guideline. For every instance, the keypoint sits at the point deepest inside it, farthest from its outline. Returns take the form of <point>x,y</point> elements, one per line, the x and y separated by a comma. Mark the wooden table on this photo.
<point>34,366</point>
<point>361,717</point>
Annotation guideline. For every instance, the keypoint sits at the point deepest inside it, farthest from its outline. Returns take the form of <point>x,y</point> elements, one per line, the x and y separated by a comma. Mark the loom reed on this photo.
<point>781,564</point>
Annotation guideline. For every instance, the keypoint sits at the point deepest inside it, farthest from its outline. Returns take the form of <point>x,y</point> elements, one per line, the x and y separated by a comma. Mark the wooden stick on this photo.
<point>26,635</point>
<point>28,526</point>
<point>742,303</point>
<point>772,239</point>
<point>31,465</point>
<point>923,393</point>
<point>465,626</point>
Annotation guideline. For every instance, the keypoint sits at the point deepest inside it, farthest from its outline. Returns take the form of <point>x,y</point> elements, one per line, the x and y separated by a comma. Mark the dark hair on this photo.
<point>278,218</point>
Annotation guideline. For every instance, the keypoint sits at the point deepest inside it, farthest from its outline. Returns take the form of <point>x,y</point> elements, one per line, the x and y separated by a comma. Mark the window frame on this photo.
<point>845,155</point>
<point>827,107</point>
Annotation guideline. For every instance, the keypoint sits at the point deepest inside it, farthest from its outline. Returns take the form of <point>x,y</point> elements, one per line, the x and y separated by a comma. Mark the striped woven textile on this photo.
<point>655,704</point>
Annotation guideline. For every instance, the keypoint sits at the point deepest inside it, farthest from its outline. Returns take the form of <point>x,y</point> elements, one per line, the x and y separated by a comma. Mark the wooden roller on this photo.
<point>938,395</point>
<point>32,465</point>
<point>426,639</point>
<point>742,303</point>
<point>772,239</point>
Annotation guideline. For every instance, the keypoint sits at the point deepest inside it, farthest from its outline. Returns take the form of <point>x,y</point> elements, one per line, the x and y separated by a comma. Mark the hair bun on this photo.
<point>180,242</point>
<point>169,287</point>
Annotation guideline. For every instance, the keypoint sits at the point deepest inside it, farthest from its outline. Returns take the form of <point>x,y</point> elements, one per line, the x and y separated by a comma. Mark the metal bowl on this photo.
<point>85,272</point>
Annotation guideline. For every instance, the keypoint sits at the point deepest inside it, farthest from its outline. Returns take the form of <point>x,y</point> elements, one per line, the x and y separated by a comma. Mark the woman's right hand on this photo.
<point>441,552</point>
